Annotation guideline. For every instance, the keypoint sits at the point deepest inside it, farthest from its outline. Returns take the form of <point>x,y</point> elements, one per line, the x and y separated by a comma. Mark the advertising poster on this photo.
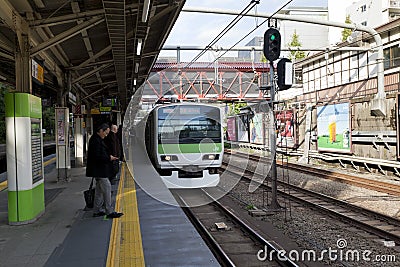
<point>256,129</point>
<point>398,125</point>
<point>60,116</point>
<point>286,127</point>
<point>242,128</point>
<point>333,126</point>
<point>231,129</point>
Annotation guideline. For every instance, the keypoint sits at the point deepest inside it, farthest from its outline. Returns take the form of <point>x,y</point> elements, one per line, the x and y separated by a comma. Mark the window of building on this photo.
<point>391,57</point>
<point>364,23</point>
<point>394,3</point>
<point>386,58</point>
<point>395,56</point>
<point>363,8</point>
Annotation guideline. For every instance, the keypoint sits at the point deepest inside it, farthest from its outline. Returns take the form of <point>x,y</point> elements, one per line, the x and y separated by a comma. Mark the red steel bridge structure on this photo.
<point>215,81</point>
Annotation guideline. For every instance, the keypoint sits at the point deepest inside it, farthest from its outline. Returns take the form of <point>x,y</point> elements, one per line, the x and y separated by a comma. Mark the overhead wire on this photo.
<point>244,37</point>
<point>224,31</point>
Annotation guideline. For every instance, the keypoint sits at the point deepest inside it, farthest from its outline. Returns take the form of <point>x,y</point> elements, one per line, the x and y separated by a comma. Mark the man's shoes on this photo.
<point>114,215</point>
<point>98,214</point>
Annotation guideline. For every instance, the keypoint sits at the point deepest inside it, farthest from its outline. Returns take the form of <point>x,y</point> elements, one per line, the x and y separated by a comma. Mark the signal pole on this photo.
<point>273,172</point>
<point>272,48</point>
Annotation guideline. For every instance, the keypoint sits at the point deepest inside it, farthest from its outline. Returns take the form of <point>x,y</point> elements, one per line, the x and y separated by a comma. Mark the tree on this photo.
<point>234,108</point>
<point>48,117</point>
<point>294,44</point>
<point>346,32</point>
<point>263,59</point>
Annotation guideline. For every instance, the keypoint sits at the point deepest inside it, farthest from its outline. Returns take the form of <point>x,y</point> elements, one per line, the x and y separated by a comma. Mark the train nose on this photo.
<point>192,168</point>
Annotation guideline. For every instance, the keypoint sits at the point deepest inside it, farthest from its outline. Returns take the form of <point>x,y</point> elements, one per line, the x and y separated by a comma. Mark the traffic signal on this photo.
<point>272,44</point>
<point>284,70</point>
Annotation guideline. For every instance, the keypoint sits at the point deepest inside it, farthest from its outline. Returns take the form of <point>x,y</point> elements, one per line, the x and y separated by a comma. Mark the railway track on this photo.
<point>234,243</point>
<point>380,186</point>
<point>383,226</point>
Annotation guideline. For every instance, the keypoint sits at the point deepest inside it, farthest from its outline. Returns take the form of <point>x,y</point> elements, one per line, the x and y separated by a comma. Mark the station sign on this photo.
<point>94,111</point>
<point>109,102</point>
<point>105,110</point>
<point>37,72</point>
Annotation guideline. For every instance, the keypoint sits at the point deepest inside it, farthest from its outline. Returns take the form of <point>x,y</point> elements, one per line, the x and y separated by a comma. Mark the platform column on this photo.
<point>89,126</point>
<point>307,137</point>
<point>23,78</point>
<point>24,158</point>
<point>78,142</point>
<point>63,163</point>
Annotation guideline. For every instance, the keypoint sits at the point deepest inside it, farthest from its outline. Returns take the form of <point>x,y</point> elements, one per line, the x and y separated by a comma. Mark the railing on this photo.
<point>380,164</point>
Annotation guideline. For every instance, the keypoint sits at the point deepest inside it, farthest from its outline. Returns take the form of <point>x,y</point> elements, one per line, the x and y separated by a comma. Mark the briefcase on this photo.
<point>89,196</point>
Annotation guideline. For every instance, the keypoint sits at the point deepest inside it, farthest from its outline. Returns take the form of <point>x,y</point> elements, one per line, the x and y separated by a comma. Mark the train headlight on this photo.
<point>210,157</point>
<point>169,158</point>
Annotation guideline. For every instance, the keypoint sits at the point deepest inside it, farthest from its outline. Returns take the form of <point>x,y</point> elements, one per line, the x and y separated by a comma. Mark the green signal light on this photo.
<point>272,37</point>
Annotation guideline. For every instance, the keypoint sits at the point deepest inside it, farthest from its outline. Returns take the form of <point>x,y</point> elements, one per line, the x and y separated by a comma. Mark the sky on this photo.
<point>198,29</point>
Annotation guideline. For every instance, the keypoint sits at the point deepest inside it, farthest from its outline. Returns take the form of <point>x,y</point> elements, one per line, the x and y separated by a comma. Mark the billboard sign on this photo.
<point>286,127</point>
<point>256,129</point>
<point>333,126</point>
<point>231,129</point>
<point>242,128</point>
<point>398,125</point>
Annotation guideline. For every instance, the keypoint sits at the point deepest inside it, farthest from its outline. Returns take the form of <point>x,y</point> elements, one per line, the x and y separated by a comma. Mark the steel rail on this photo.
<point>282,260</point>
<point>363,218</point>
<point>380,186</point>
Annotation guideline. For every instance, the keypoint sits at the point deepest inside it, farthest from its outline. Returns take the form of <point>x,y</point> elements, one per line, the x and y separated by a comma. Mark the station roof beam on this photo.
<point>85,36</point>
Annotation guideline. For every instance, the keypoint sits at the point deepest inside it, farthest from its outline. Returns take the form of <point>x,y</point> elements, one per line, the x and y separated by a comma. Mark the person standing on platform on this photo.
<point>99,166</point>
<point>121,151</point>
<point>113,146</point>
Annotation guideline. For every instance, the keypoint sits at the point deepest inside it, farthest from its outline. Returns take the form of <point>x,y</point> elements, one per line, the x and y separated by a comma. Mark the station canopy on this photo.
<point>106,46</point>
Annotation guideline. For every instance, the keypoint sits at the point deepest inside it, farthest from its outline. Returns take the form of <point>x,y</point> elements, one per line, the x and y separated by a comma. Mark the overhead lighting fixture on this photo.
<point>139,46</point>
<point>134,81</point>
<point>146,6</point>
<point>136,67</point>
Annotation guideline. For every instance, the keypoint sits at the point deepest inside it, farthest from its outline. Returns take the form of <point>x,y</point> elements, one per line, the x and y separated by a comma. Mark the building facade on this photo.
<point>310,36</point>
<point>336,78</point>
<point>374,13</point>
<point>258,55</point>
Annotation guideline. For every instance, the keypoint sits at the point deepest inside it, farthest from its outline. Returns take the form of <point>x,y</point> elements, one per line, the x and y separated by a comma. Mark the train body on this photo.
<point>185,144</point>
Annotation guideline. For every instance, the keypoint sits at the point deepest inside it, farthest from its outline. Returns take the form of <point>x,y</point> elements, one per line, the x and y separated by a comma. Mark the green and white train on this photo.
<point>185,144</point>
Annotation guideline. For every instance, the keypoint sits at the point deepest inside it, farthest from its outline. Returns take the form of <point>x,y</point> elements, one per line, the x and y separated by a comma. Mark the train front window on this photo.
<point>187,128</point>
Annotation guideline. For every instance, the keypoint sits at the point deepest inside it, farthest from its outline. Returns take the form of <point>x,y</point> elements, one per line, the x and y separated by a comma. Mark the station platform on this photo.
<point>151,232</point>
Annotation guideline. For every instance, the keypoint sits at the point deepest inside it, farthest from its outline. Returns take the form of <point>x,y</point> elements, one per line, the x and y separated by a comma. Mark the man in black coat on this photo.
<point>99,166</point>
<point>113,147</point>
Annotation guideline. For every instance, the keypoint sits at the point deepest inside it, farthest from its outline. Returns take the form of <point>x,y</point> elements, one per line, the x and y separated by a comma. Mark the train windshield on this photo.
<point>187,124</point>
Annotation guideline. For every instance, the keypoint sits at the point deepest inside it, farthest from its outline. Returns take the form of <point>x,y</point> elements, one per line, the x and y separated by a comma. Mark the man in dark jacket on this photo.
<point>113,147</point>
<point>99,166</point>
<point>121,150</point>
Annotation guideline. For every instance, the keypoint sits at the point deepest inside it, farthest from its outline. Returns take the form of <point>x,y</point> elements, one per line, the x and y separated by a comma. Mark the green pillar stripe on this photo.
<point>25,205</point>
<point>23,105</point>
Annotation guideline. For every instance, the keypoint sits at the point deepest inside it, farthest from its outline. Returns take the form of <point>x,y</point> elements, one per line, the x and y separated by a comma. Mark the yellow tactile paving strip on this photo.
<point>4,185</point>
<point>125,247</point>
